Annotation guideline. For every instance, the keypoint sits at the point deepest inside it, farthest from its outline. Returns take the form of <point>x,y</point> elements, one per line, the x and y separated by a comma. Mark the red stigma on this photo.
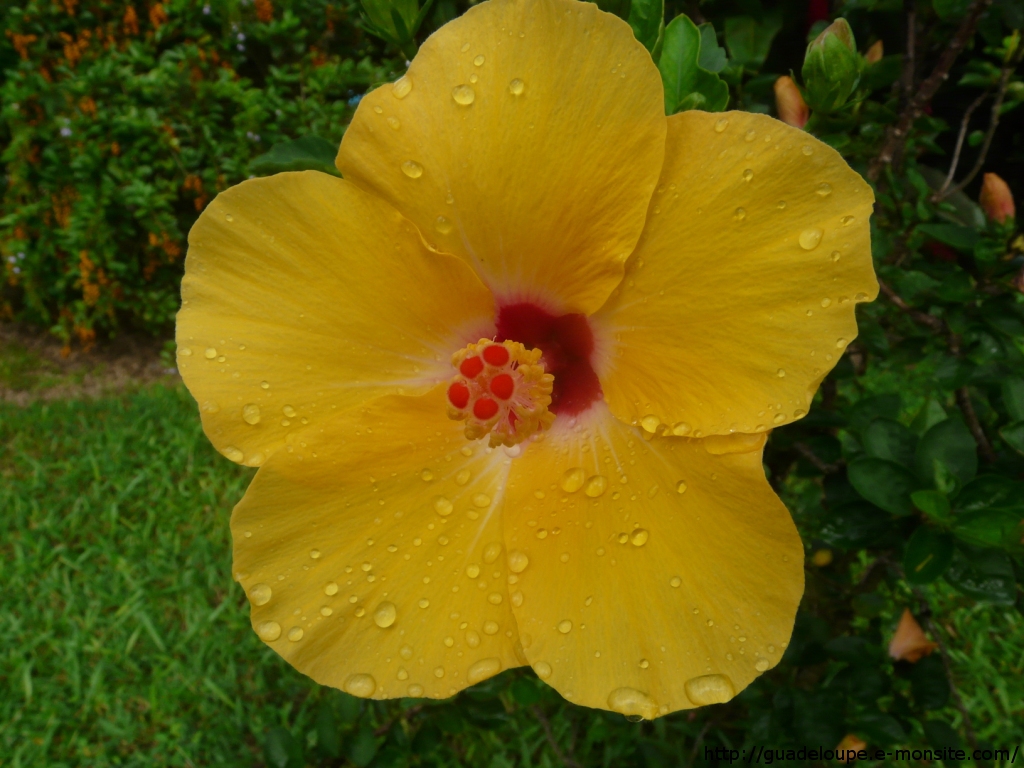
<point>458,395</point>
<point>496,355</point>
<point>471,367</point>
<point>502,385</point>
<point>485,408</point>
<point>567,343</point>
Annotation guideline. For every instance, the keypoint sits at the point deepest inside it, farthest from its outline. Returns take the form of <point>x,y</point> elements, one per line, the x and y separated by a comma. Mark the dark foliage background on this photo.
<point>120,121</point>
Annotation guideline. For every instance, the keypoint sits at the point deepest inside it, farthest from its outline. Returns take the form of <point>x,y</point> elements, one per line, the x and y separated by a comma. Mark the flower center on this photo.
<point>501,388</point>
<point>566,342</point>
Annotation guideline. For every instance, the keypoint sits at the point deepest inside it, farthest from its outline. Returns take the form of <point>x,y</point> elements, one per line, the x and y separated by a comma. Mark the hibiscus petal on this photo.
<point>740,296</point>
<point>527,138</point>
<point>372,555</point>
<point>655,573</point>
<point>304,296</point>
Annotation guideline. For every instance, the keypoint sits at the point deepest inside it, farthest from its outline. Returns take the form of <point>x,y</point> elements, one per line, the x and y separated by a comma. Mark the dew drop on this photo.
<point>517,561</point>
<point>861,297</point>
<point>384,615</point>
<point>401,87</point>
<point>463,95</point>
<point>402,674</point>
<point>781,205</point>
<point>761,665</point>
<point>412,169</point>
<point>840,343</point>
<point>394,122</point>
<point>826,302</point>
<point>472,639</point>
<point>442,506</point>
<point>543,670</point>
<point>709,689</point>
<point>517,598</point>
<point>650,423</point>
<point>289,412</point>
<point>639,537</point>
<point>251,414</point>
<point>835,256</point>
<point>491,552</point>
<point>847,220</point>
<point>229,217</point>
<point>491,627</point>
<point>481,670</point>
<point>810,238</point>
<point>721,124</point>
<point>748,174</point>
<point>565,626</point>
<point>572,479</point>
<point>465,47</point>
<point>415,690</point>
<point>295,634</point>
<point>595,486</point>
<point>749,135</point>
<point>644,663</point>
<point>739,214</point>
<point>806,149</point>
<point>675,582</point>
<point>185,352</point>
<point>632,703</point>
<point>361,685</point>
<point>779,418</point>
<point>481,500</point>
<point>442,225</point>
<point>268,631</point>
<point>331,589</point>
<point>232,453</point>
<point>681,428</point>
<point>516,87</point>
<point>462,477</point>
<point>824,189</point>
<point>479,60</point>
<point>423,603</point>
<point>210,353</point>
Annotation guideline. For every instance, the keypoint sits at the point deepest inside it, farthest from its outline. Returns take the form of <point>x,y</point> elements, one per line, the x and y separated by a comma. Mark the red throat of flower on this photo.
<point>513,386</point>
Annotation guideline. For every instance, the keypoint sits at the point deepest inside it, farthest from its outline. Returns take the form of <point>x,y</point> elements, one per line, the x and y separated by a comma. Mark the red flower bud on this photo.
<point>789,103</point>
<point>875,53</point>
<point>996,199</point>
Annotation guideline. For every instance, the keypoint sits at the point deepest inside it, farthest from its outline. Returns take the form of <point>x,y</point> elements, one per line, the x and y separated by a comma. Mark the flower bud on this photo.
<point>996,199</point>
<point>874,54</point>
<point>850,745</point>
<point>831,68</point>
<point>910,643</point>
<point>789,103</point>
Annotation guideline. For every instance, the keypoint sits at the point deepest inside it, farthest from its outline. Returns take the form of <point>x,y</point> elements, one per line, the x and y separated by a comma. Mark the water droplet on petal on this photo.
<point>517,561</point>
<point>572,479</point>
<point>674,582</point>
<point>442,506</point>
<point>378,109</point>
<point>565,626</point>
<point>491,552</point>
<point>861,297</point>
<point>721,124</point>
<point>709,689</point>
<point>810,238</point>
<point>680,429</point>
<point>229,217</point>
<point>289,412</point>
<point>749,135</point>
<point>384,615</point>
<point>595,486</point>
<point>232,453</point>
<point>826,302</point>
<point>210,353</point>
<point>840,343</point>
<point>463,95</point>
<point>516,87</point>
<point>423,603</point>
<point>761,665</point>
<point>847,220</point>
<point>401,87</point>
<point>824,189</point>
<point>331,589</point>
<point>481,500</point>
<point>443,225</point>
<point>412,169</point>
<point>632,703</point>
<point>360,685</point>
<point>650,423</point>
<point>781,205</point>
<point>295,634</point>
<point>479,60</point>
<point>779,418</point>
<point>481,670</point>
<point>543,670</point>
<point>739,214</point>
<point>781,373</point>
<point>268,631</point>
<point>748,174</point>
<point>639,537</point>
<point>394,122</point>
<point>251,414</point>
<point>806,149</point>
<point>835,256</point>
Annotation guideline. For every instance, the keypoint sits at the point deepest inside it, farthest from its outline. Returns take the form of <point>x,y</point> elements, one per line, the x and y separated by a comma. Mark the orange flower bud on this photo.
<point>996,199</point>
<point>875,53</point>
<point>910,643</point>
<point>850,745</point>
<point>789,103</point>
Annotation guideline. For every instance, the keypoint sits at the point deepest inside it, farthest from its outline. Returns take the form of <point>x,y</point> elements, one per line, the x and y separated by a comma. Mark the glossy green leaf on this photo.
<point>927,556</point>
<point>950,443</point>
<point>885,484</point>
<point>962,238</point>
<point>647,18</point>
<point>854,525</point>
<point>282,750</point>
<point>363,746</point>
<point>749,40</point>
<point>1013,397</point>
<point>1013,436</point>
<point>983,574</point>
<point>991,527</point>
<point>310,153</point>
<point>712,55</point>
<point>868,409</point>
<point>889,440</point>
<point>687,85</point>
<point>879,728</point>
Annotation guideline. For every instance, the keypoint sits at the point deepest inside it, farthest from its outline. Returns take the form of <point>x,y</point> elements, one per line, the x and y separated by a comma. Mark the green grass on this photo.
<point>23,370</point>
<point>125,641</point>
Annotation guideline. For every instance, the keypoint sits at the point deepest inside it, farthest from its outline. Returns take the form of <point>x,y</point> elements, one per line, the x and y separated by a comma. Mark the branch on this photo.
<point>964,123</point>
<point>923,318</point>
<point>963,399</point>
<point>896,136</point>
<point>812,457</point>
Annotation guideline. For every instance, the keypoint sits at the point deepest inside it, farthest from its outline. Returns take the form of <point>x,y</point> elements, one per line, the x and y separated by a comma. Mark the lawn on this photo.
<point>125,640</point>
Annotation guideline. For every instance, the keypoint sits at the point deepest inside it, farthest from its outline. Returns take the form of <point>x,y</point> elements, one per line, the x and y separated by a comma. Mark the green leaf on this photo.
<point>950,443</point>
<point>831,68</point>
<point>647,18</point>
<point>868,409</point>
<point>1013,397</point>
<point>363,747</point>
<point>281,750</point>
<point>883,73</point>
<point>855,525</point>
<point>619,7</point>
<point>749,40</point>
<point>962,238</point>
<point>932,503</point>
<point>883,483</point>
<point>984,574</point>
<point>990,492</point>
<point>687,85</point>
<point>712,55</point>
<point>942,736</point>
<point>927,556</point>
<point>328,734</point>
<point>879,728</point>
<point>990,527</point>
<point>310,153</point>
<point>1013,436</point>
<point>931,413</point>
<point>950,10</point>
<point>929,683</point>
<point>889,440</point>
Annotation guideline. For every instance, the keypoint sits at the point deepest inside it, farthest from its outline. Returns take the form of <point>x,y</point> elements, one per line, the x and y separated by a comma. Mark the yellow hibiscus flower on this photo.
<point>582,490</point>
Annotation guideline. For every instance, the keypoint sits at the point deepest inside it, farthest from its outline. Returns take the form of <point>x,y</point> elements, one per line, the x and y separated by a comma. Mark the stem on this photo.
<point>896,136</point>
<point>959,145</point>
<point>923,318</point>
<point>963,399</point>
